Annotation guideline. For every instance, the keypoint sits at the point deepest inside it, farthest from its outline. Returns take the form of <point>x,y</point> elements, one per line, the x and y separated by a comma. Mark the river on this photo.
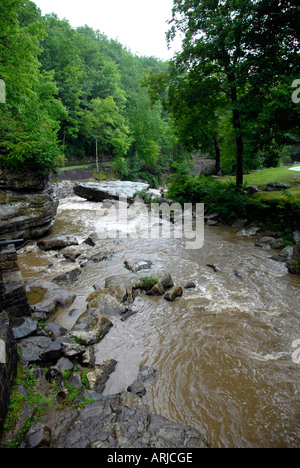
<point>223,351</point>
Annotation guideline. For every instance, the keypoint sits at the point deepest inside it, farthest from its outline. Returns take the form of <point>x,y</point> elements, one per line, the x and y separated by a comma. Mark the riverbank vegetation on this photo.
<point>74,95</point>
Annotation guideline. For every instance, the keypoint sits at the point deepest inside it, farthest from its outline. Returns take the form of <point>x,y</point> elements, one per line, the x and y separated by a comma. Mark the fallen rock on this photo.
<point>190,285</point>
<point>275,186</point>
<point>39,435</point>
<point>296,237</point>
<point>69,277</point>
<point>100,191</point>
<point>94,332</point>
<point>57,242</point>
<point>32,347</point>
<point>26,328</point>
<point>156,290</point>
<point>47,295</point>
<point>138,265</point>
<point>250,232</point>
<point>214,267</point>
<point>98,377</point>
<point>101,256</point>
<point>146,374</point>
<point>119,292</point>
<point>137,388</point>
<point>107,305</point>
<point>164,278</point>
<point>175,292</point>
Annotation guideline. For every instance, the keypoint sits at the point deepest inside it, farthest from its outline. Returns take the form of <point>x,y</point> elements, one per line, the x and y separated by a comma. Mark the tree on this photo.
<point>28,119</point>
<point>196,106</point>
<point>108,127</point>
<point>237,42</point>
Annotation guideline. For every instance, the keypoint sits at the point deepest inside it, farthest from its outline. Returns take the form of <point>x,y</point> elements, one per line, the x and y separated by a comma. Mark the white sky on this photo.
<point>139,25</point>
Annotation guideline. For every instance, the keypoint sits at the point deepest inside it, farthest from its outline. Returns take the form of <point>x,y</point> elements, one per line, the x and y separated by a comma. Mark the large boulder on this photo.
<point>100,191</point>
<point>57,242</point>
<point>47,295</point>
<point>28,205</point>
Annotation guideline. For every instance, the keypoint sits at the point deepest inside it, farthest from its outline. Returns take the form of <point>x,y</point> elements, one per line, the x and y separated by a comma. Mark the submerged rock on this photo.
<point>175,292</point>
<point>138,265</point>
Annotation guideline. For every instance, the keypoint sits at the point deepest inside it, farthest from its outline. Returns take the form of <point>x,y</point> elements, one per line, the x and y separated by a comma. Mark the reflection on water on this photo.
<point>222,351</point>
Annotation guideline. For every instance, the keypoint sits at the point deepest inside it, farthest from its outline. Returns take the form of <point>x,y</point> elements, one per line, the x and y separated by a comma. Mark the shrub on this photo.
<point>228,200</point>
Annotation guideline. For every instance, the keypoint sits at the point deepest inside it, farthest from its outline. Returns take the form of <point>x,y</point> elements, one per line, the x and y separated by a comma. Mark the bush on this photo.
<point>228,200</point>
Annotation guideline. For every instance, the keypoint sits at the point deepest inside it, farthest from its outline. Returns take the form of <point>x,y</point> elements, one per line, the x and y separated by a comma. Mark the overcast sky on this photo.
<point>140,25</point>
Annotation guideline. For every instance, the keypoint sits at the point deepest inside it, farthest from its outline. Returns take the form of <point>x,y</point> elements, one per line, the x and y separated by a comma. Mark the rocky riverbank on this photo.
<point>58,367</point>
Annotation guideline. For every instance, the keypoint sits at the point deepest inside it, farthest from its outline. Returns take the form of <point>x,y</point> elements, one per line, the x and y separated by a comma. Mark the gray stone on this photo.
<point>156,290</point>
<point>275,186</point>
<point>94,333</point>
<point>57,242</point>
<point>137,388</point>
<point>175,292</point>
<point>48,295</point>
<point>55,329</point>
<point>33,346</point>
<point>109,190</point>
<point>138,265</point>
<point>98,377</point>
<point>190,285</point>
<point>107,305</point>
<point>69,277</point>
<point>146,374</point>
<point>119,421</point>
<point>296,237</point>
<point>63,364</point>
<point>39,435</point>
<point>26,328</point>
<point>250,232</point>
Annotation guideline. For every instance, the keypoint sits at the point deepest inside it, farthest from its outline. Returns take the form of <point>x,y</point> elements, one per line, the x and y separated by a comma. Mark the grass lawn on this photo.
<point>67,168</point>
<point>276,174</point>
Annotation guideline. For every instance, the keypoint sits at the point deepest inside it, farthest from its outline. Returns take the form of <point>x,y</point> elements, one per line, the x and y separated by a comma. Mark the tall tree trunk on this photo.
<point>218,156</point>
<point>236,121</point>
<point>238,138</point>
<point>97,157</point>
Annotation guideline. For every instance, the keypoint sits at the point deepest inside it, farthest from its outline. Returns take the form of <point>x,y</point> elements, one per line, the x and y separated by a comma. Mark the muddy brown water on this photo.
<point>223,352</point>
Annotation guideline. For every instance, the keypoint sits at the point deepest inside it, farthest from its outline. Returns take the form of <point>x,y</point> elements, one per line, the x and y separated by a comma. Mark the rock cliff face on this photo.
<point>28,205</point>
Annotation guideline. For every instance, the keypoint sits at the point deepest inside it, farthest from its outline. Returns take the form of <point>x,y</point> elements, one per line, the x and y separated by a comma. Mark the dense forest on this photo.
<point>74,93</point>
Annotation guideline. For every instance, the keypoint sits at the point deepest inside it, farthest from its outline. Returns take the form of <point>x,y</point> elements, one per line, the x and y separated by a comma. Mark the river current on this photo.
<point>223,351</point>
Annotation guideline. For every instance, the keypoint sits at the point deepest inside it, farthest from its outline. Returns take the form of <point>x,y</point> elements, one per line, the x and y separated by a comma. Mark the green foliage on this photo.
<point>251,51</point>
<point>146,283</point>
<point>28,130</point>
<point>229,201</point>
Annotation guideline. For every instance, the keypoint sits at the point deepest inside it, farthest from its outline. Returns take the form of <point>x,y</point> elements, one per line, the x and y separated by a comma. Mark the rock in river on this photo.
<point>99,191</point>
<point>47,295</point>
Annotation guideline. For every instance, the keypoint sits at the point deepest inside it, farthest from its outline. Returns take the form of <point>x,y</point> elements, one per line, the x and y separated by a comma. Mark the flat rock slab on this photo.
<point>100,191</point>
<point>47,295</point>
<point>119,421</point>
